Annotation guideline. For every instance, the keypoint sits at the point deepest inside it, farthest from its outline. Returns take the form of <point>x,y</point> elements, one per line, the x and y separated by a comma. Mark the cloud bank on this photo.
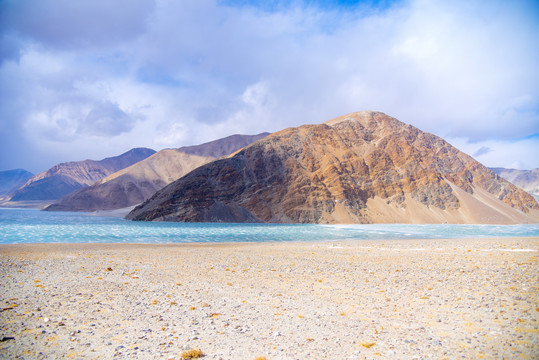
<point>96,78</point>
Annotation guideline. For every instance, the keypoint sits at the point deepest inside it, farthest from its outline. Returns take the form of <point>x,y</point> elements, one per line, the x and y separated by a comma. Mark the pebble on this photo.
<point>386,309</point>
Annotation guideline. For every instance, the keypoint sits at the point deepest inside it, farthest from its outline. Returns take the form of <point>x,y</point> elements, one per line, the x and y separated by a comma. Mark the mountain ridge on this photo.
<point>528,180</point>
<point>134,184</point>
<point>12,179</point>
<point>363,167</point>
<point>64,178</point>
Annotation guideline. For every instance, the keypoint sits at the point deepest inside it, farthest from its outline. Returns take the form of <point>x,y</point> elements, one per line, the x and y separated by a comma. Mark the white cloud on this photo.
<point>175,73</point>
<point>512,154</point>
<point>106,119</point>
<point>76,25</point>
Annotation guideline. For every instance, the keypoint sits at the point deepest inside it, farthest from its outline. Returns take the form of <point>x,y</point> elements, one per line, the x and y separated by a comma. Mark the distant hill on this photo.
<point>364,167</point>
<point>12,179</point>
<point>64,178</point>
<point>138,182</point>
<point>528,180</point>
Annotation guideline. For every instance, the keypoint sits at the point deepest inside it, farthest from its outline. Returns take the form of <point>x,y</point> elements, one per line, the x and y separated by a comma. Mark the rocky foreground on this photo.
<point>423,299</point>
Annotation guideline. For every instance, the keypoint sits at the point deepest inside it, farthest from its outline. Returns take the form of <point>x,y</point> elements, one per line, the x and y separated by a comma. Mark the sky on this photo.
<point>94,78</point>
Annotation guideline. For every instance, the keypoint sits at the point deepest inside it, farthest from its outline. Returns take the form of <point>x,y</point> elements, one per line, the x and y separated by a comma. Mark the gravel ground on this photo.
<point>413,299</point>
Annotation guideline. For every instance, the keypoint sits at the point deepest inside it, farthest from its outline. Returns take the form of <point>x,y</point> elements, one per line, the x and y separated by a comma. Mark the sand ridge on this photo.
<point>403,299</point>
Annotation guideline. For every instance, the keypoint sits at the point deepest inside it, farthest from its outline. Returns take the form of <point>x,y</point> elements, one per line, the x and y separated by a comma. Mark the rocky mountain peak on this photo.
<point>358,168</point>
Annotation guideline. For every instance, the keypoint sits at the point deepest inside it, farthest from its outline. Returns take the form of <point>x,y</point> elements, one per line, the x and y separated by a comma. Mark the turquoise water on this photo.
<point>33,226</point>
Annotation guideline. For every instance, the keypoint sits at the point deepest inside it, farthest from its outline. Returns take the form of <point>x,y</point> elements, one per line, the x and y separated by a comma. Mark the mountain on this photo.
<point>12,179</point>
<point>528,180</point>
<point>138,182</point>
<point>364,167</point>
<point>64,178</point>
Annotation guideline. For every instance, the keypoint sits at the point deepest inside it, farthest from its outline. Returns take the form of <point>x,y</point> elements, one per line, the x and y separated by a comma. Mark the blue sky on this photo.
<point>91,79</point>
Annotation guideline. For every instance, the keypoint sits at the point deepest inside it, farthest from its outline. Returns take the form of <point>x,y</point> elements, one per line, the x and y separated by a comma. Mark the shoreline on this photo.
<point>349,299</point>
<point>371,242</point>
<point>116,213</point>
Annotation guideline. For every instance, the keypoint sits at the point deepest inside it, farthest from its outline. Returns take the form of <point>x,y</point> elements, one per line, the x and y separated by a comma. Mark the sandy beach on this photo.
<point>410,299</point>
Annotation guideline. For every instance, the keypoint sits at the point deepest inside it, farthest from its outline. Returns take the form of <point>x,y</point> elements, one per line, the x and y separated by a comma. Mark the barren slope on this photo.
<point>528,180</point>
<point>363,167</point>
<point>12,179</point>
<point>64,178</point>
<point>137,183</point>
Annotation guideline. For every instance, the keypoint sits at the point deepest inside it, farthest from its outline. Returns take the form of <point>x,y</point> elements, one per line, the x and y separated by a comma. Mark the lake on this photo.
<point>34,226</point>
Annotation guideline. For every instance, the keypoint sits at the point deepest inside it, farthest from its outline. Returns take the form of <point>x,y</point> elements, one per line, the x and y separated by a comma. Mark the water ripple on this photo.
<point>33,226</point>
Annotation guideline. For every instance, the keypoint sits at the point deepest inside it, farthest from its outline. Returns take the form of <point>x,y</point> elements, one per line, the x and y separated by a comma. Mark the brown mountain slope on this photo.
<point>527,180</point>
<point>64,178</point>
<point>363,167</point>
<point>137,183</point>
